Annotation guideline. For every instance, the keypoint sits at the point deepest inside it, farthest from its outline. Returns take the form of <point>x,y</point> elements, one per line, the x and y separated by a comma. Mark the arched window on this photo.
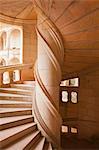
<point>6,78</point>
<point>2,62</point>
<point>15,38</point>
<point>14,61</point>
<point>3,40</point>
<point>11,43</point>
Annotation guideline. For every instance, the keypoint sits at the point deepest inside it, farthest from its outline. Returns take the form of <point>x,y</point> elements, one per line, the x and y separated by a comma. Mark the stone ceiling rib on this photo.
<point>64,11</point>
<point>25,12</point>
<point>81,17</point>
<point>24,9</point>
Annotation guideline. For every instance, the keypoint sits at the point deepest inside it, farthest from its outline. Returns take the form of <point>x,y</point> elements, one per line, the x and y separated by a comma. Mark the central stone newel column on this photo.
<point>48,77</point>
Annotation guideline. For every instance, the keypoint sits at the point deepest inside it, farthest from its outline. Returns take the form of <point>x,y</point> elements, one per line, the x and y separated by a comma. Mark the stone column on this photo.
<point>48,77</point>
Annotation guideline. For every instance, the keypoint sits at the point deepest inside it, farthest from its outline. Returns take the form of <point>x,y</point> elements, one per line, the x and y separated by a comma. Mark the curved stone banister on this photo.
<point>42,123</point>
<point>37,77</point>
<point>58,42</point>
<point>53,110</point>
<point>48,76</point>
<point>51,56</point>
<point>50,100</point>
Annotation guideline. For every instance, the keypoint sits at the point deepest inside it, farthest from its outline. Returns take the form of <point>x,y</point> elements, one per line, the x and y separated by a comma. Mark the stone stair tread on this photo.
<point>17,129</point>
<point>24,85</point>
<point>15,89</point>
<point>14,102</point>
<point>50,147</point>
<point>4,134</point>
<point>2,110</point>
<point>17,100</point>
<point>47,146</point>
<point>21,144</point>
<point>14,95</point>
<point>13,119</point>
<point>30,82</point>
<point>39,144</point>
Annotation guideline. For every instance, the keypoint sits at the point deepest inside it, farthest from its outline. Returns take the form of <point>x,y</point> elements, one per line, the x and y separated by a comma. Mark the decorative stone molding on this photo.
<point>13,20</point>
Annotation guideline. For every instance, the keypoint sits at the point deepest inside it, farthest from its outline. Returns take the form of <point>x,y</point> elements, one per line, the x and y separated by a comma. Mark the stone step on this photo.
<point>26,142</point>
<point>15,91</point>
<point>9,136</point>
<point>17,129</point>
<point>22,86</point>
<point>30,82</point>
<point>8,96</point>
<point>50,147</point>
<point>15,104</point>
<point>14,112</point>
<point>39,144</point>
<point>47,146</point>
<point>9,122</point>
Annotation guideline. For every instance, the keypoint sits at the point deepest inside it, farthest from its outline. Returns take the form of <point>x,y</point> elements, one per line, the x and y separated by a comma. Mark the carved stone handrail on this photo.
<point>52,108</point>
<point>41,122</point>
<point>15,20</point>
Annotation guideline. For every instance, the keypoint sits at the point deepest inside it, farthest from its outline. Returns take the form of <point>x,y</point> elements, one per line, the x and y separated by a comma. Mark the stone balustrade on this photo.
<point>13,73</point>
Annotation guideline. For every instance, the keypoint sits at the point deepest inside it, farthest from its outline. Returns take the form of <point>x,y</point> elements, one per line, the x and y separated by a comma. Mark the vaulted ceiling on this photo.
<point>20,9</point>
<point>77,20</point>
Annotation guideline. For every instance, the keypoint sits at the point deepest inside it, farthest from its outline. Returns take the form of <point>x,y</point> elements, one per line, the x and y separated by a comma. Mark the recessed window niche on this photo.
<point>16,75</point>
<point>70,82</point>
<point>74,96</point>
<point>64,129</point>
<point>6,78</point>
<point>74,130</point>
<point>64,96</point>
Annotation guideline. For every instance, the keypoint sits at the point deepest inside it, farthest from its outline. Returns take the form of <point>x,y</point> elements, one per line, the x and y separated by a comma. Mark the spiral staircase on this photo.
<point>29,113</point>
<point>18,129</point>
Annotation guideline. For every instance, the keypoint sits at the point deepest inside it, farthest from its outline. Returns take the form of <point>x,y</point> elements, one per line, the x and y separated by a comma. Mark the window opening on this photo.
<point>74,82</point>
<point>64,96</point>
<point>16,75</point>
<point>64,83</point>
<point>70,83</point>
<point>11,38</point>
<point>64,129</point>
<point>74,130</point>
<point>6,78</point>
<point>74,97</point>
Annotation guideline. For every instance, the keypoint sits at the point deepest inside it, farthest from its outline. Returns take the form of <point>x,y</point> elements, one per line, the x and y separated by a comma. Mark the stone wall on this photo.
<point>85,114</point>
<point>89,105</point>
<point>29,45</point>
<point>29,48</point>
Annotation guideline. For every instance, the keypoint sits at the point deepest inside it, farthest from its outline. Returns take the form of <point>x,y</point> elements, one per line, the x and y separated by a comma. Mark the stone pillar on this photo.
<point>1,79</point>
<point>48,77</point>
<point>11,76</point>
